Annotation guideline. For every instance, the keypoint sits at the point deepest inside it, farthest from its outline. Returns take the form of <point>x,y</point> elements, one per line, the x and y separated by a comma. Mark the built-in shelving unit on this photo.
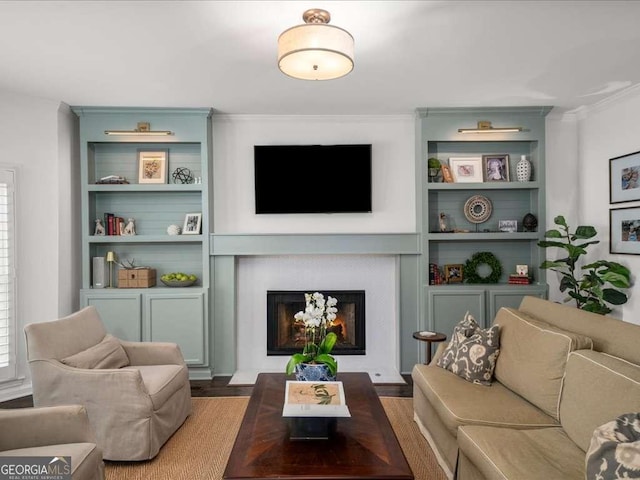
<point>158,313</point>
<point>437,136</point>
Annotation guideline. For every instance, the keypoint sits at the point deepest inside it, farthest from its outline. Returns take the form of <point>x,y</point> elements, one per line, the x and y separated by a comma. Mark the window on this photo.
<point>7,276</point>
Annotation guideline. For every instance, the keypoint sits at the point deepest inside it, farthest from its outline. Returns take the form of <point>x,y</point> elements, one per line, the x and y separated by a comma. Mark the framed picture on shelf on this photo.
<point>496,168</point>
<point>466,169</point>
<point>453,273</point>
<point>624,230</point>
<point>508,225</point>
<point>624,178</point>
<point>153,166</point>
<point>192,224</point>
<point>446,174</point>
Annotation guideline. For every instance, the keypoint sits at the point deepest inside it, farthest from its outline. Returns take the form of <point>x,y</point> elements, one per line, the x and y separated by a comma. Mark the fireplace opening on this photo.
<point>285,337</point>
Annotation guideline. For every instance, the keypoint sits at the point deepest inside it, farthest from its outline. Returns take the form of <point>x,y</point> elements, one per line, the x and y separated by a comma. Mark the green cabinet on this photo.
<point>438,136</point>
<point>157,313</point>
<point>446,305</point>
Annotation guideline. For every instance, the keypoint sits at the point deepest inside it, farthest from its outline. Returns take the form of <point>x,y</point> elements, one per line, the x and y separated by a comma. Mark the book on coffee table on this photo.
<point>314,399</point>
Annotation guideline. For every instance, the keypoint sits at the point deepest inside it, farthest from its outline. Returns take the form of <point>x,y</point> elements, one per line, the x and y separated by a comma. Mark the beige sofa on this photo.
<point>560,374</point>
<point>52,432</point>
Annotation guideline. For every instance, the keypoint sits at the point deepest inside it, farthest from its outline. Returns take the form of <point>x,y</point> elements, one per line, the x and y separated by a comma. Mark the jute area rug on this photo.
<point>200,448</point>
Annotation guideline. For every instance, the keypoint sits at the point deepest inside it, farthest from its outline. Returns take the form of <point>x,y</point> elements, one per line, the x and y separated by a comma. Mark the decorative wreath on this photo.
<point>480,258</point>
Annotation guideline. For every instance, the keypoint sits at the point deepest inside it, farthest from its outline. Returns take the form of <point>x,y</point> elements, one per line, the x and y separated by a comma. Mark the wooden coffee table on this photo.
<point>363,446</point>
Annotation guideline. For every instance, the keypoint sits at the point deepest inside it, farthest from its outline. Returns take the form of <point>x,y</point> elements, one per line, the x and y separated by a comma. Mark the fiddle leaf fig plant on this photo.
<point>591,287</point>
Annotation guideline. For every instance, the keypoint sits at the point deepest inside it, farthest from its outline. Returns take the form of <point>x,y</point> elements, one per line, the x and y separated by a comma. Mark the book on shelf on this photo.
<point>314,399</point>
<point>515,279</point>
<point>435,277</point>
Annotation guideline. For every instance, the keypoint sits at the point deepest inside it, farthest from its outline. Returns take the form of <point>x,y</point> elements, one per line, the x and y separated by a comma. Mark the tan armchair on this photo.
<point>55,432</point>
<point>137,394</point>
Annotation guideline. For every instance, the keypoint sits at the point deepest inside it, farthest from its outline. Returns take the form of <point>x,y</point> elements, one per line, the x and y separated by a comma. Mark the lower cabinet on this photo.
<point>167,316</point>
<point>447,305</point>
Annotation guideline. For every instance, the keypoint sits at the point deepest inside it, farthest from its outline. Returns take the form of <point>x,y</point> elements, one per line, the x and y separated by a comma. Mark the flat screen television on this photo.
<point>312,178</point>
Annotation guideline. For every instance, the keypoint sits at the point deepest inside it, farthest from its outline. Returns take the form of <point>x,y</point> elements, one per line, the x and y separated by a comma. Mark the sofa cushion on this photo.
<point>500,453</point>
<point>459,402</point>
<point>106,354</point>
<point>597,388</point>
<point>615,449</point>
<point>533,355</point>
<point>472,352</point>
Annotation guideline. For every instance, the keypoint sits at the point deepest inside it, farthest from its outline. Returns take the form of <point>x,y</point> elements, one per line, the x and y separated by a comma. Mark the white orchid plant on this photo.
<point>316,318</point>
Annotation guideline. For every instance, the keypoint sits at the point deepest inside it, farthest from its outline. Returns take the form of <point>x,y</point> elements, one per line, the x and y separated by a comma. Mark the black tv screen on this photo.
<point>312,178</point>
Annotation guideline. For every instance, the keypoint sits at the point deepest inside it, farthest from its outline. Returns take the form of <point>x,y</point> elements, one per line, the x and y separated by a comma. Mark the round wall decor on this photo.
<point>477,209</point>
<point>471,268</point>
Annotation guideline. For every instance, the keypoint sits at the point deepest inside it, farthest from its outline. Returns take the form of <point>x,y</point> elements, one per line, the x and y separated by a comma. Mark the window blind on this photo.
<point>7,276</point>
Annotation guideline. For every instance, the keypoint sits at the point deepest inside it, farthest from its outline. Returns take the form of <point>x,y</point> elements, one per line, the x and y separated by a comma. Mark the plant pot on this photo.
<point>313,372</point>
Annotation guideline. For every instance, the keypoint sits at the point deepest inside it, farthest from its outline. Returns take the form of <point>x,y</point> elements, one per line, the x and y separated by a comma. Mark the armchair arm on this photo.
<point>36,427</point>
<point>153,353</point>
<point>120,391</point>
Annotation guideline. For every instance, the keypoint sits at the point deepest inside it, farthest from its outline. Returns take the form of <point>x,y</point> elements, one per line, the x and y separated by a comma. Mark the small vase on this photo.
<point>313,372</point>
<point>523,169</point>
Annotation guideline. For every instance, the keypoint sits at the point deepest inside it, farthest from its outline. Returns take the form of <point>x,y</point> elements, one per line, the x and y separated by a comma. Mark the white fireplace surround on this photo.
<point>377,275</point>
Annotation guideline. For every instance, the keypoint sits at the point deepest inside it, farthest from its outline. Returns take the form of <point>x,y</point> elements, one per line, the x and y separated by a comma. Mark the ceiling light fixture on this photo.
<point>315,50</point>
<point>143,128</point>
<point>485,127</point>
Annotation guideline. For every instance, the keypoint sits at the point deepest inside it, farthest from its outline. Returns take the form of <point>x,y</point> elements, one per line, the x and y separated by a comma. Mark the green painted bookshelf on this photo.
<point>157,313</point>
<point>437,136</point>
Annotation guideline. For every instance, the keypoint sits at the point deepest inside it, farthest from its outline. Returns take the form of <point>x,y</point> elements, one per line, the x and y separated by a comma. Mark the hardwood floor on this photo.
<point>219,387</point>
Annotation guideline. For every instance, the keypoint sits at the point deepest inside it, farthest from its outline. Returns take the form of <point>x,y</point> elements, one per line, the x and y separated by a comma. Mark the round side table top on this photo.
<point>436,337</point>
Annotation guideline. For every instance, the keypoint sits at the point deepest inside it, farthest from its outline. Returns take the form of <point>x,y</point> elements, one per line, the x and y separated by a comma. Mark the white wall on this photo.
<point>609,130</point>
<point>30,141</point>
<point>393,155</point>
<point>562,180</point>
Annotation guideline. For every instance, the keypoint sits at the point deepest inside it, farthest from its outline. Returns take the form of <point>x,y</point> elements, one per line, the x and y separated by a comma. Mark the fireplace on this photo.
<point>284,337</point>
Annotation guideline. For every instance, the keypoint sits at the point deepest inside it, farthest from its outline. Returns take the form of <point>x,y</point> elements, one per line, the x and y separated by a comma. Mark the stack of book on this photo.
<point>515,279</point>
<point>113,224</point>
<point>435,277</point>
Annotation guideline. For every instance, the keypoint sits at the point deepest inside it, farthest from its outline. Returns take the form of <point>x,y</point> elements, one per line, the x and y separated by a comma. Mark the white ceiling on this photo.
<point>409,54</point>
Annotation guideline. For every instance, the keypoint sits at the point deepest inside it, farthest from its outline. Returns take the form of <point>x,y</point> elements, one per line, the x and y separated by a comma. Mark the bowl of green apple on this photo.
<point>178,279</point>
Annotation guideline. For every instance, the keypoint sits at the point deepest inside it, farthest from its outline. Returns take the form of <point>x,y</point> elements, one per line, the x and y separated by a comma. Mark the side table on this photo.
<point>429,339</point>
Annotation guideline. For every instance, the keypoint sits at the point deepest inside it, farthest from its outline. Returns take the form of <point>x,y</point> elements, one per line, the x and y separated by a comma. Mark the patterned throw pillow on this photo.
<point>472,352</point>
<point>615,449</point>
<point>463,330</point>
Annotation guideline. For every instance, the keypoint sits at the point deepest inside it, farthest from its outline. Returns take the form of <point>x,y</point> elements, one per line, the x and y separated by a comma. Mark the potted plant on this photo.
<point>590,291</point>
<point>315,362</point>
<point>434,167</point>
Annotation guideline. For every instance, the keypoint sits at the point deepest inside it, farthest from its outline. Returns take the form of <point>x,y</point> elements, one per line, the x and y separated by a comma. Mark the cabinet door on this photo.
<point>511,297</point>
<point>121,313</point>
<point>179,318</point>
<point>448,306</point>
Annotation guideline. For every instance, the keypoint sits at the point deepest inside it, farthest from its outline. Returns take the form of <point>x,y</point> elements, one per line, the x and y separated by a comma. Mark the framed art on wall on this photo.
<point>624,178</point>
<point>466,169</point>
<point>624,230</point>
<point>152,166</point>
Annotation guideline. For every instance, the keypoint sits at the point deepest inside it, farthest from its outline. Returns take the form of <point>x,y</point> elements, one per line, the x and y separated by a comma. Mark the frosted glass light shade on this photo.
<point>315,52</point>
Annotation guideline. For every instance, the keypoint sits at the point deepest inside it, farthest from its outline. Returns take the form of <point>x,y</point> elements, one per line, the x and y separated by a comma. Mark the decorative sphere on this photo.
<point>174,230</point>
<point>182,175</point>
<point>529,222</point>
